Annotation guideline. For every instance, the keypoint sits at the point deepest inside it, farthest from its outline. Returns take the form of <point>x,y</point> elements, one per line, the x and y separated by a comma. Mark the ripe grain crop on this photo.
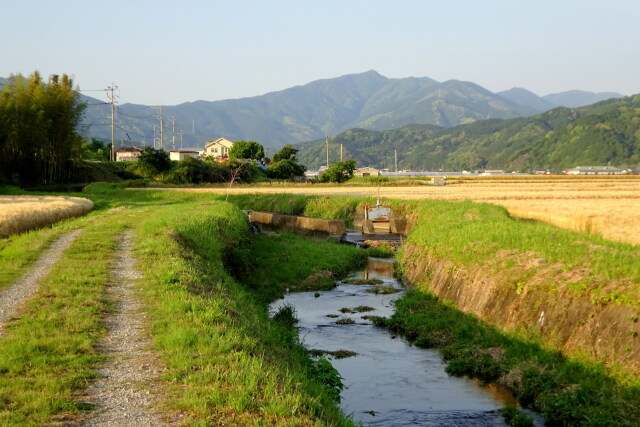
<point>23,213</point>
<point>604,206</point>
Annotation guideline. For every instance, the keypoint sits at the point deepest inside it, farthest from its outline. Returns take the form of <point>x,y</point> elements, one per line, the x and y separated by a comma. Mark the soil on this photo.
<point>128,391</point>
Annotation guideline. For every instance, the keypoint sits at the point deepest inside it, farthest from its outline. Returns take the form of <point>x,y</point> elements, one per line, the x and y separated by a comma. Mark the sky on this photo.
<point>169,52</point>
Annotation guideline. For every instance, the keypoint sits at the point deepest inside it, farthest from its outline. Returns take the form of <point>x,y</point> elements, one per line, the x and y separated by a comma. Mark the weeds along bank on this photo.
<point>580,292</point>
<point>226,361</point>
<point>566,304</point>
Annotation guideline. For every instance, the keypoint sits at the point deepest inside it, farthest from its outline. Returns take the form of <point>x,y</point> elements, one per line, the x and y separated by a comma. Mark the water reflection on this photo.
<point>389,382</point>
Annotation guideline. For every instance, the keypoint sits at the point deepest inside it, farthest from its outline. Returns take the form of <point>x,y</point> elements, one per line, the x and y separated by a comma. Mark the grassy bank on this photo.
<point>226,361</point>
<point>481,243</point>
<point>567,391</point>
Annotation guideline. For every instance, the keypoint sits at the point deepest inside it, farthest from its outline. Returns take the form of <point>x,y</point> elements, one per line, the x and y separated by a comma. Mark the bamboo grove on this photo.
<point>38,122</point>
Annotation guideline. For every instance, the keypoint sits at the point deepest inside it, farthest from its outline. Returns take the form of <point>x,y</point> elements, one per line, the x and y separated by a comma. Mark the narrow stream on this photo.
<point>388,382</point>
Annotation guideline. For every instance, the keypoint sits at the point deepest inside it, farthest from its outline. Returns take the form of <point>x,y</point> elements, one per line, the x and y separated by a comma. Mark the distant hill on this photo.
<point>521,96</point>
<point>323,107</point>
<point>601,134</point>
<point>578,98</point>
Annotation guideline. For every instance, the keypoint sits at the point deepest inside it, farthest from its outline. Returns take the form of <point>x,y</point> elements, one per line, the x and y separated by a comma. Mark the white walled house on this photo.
<point>218,149</point>
<point>180,155</point>
<point>127,154</point>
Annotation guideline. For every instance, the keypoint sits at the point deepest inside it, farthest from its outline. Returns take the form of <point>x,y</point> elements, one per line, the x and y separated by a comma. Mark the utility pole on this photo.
<point>161,130</point>
<point>159,115</point>
<point>326,141</point>
<point>173,132</point>
<point>181,133</point>
<point>112,101</point>
<point>340,152</point>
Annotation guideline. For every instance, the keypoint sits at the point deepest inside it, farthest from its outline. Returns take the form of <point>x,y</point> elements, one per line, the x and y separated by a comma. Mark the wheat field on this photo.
<point>605,206</point>
<point>23,213</point>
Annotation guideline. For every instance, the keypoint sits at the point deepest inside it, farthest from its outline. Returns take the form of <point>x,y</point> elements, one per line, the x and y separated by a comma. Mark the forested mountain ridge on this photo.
<point>604,133</point>
<point>312,111</point>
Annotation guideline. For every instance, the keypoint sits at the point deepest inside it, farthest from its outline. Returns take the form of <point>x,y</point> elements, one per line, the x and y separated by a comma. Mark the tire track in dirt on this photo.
<point>13,298</point>
<point>126,392</point>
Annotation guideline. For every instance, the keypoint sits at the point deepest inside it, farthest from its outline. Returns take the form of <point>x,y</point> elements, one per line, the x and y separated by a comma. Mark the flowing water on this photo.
<point>389,382</point>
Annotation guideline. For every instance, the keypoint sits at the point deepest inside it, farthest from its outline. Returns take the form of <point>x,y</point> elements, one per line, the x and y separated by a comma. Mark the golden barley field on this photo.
<point>23,213</point>
<point>606,206</point>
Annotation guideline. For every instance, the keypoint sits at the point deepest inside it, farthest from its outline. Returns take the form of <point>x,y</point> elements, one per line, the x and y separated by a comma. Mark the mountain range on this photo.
<point>605,133</point>
<point>321,108</point>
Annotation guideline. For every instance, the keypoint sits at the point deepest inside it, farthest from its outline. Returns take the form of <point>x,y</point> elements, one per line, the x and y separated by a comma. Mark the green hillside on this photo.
<point>604,133</point>
<point>302,113</point>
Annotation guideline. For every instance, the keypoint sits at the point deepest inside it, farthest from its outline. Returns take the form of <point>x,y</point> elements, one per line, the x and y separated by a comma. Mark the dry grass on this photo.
<point>607,206</point>
<point>23,213</point>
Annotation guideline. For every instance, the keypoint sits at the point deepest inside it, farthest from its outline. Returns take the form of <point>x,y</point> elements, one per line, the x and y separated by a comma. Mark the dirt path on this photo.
<point>126,394</point>
<point>13,298</point>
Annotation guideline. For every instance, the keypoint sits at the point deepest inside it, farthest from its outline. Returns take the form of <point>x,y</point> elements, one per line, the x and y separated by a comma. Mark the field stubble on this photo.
<point>605,206</point>
<point>23,213</point>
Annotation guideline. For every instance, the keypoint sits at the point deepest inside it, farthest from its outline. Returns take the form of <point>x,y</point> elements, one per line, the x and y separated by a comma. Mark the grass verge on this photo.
<point>49,352</point>
<point>566,391</point>
<point>227,362</point>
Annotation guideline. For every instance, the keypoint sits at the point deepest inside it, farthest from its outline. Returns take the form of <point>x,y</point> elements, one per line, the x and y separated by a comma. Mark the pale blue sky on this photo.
<point>169,52</point>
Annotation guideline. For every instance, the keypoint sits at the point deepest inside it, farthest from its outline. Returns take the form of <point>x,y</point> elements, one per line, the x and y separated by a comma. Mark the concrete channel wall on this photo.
<point>298,224</point>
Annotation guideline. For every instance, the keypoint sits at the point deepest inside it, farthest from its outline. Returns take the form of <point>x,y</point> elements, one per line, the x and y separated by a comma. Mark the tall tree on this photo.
<point>38,136</point>
<point>246,150</point>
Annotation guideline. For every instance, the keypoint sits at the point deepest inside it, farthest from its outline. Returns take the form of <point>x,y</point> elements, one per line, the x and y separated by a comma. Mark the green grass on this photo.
<point>478,234</point>
<point>287,261</point>
<point>227,362</point>
<point>565,391</point>
<point>49,351</point>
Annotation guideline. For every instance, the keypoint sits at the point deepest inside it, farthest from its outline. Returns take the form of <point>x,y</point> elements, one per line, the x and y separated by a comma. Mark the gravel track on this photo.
<point>13,298</point>
<point>127,392</point>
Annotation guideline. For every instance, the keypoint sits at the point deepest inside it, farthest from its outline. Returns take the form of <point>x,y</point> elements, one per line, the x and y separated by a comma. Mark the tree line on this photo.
<point>40,144</point>
<point>39,141</point>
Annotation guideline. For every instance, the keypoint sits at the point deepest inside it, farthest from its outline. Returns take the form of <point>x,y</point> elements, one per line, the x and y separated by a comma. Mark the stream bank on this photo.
<point>387,380</point>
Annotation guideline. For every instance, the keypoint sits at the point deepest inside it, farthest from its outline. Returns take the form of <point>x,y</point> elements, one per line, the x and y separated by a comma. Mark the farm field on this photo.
<point>22,213</point>
<point>604,206</point>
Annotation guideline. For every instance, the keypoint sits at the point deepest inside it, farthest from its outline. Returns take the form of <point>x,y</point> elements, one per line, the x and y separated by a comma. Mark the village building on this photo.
<point>127,154</point>
<point>180,155</point>
<point>218,149</point>
<point>366,171</point>
<point>595,170</point>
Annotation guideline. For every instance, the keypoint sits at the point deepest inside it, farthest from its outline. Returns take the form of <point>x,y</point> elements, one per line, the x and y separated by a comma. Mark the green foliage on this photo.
<point>566,392</point>
<point>243,170</point>
<point>338,172</point>
<point>285,169</point>
<point>197,171</point>
<point>281,203</point>
<point>96,150</point>
<point>38,130</point>
<point>330,377</point>
<point>152,162</point>
<point>515,417</point>
<point>288,261</point>
<point>246,150</point>
<point>287,152</point>
<point>286,316</point>
<point>604,133</point>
